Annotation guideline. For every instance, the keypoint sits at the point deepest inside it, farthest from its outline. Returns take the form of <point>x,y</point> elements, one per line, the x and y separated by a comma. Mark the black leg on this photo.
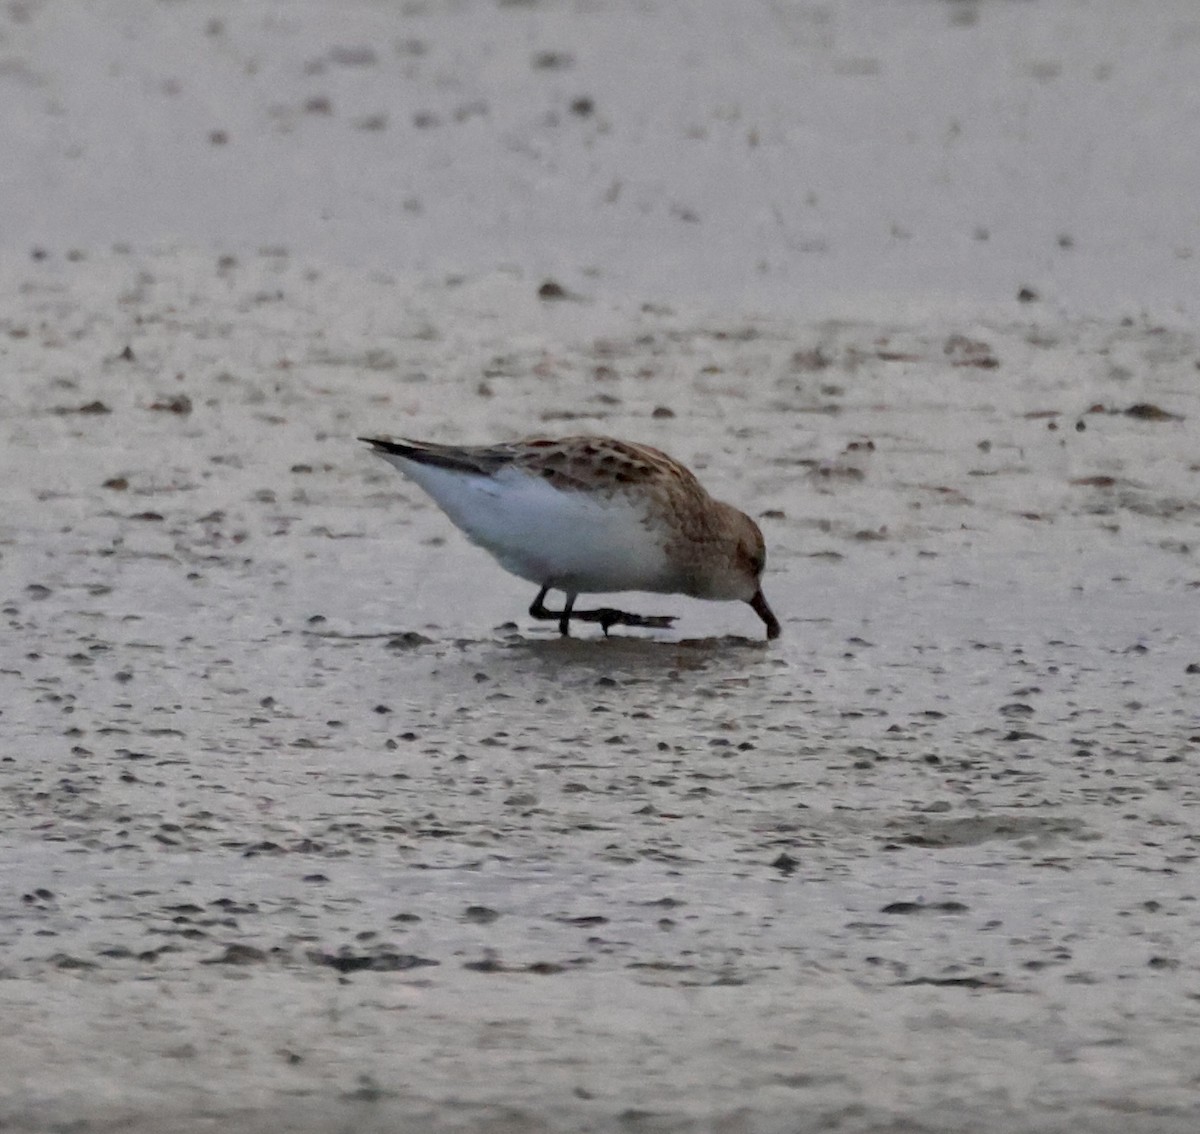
<point>564,623</point>
<point>538,609</point>
<point>605,615</point>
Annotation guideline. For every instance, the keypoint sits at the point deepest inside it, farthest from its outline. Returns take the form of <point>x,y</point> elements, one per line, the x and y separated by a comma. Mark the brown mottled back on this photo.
<point>600,463</point>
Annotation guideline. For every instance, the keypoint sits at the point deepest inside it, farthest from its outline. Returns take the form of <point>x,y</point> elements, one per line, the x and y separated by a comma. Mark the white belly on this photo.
<point>568,540</point>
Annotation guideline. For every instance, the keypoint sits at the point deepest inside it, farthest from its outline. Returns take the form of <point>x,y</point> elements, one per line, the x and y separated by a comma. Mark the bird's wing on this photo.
<point>480,460</point>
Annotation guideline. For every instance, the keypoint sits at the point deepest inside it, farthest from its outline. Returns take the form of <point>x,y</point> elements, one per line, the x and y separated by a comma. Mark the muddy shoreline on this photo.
<point>306,824</point>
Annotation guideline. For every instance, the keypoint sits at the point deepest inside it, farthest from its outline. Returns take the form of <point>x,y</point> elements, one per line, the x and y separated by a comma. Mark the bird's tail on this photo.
<point>458,458</point>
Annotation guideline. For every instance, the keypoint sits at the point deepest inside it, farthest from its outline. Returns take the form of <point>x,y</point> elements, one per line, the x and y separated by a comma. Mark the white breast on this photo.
<point>571,540</point>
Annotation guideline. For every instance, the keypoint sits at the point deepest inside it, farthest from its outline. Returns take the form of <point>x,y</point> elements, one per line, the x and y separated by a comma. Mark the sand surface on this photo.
<point>306,826</point>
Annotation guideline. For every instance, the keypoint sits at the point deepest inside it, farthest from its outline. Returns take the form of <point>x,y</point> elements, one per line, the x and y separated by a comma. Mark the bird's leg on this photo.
<point>605,615</point>
<point>540,610</point>
<point>564,623</point>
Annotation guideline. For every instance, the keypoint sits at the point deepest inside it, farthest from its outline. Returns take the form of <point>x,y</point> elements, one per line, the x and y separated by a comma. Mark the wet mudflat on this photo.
<point>306,826</point>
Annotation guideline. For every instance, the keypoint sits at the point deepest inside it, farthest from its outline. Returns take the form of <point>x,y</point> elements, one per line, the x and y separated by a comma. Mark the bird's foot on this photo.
<point>608,617</point>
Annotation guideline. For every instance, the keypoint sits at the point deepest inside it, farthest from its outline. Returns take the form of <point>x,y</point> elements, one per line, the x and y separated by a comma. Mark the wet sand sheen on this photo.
<point>290,805</point>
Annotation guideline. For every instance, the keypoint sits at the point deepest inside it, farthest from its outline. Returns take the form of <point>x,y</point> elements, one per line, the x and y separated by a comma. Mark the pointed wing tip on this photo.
<point>383,445</point>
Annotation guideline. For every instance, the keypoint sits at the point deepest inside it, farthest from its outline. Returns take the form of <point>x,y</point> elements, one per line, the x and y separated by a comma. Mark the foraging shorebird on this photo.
<point>589,515</point>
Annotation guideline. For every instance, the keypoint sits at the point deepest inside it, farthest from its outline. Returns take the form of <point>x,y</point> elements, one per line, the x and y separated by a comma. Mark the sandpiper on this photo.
<point>587,515</point>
